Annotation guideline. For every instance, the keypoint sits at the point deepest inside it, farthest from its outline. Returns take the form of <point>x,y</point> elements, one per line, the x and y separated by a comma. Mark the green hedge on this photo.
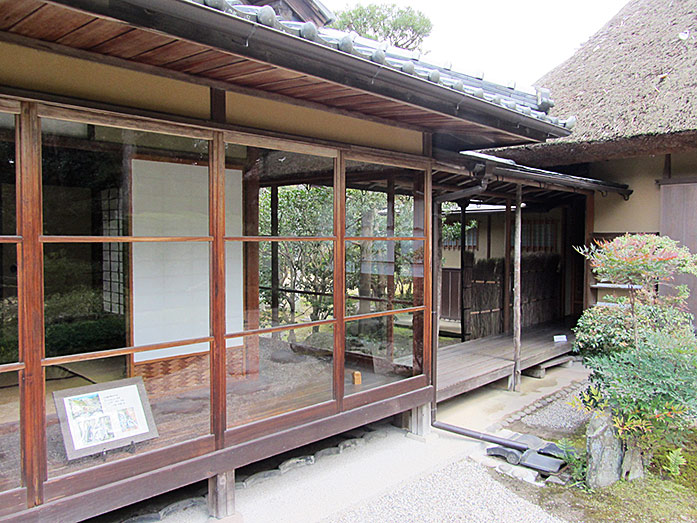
<point>103,333</point>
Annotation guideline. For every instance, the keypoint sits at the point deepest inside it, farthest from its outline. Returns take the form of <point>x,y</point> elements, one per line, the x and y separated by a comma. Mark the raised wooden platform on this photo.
<point>463,367</point>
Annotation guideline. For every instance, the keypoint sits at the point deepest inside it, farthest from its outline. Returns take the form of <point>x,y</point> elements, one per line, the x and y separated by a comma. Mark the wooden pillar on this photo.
<point>465,274</point>
<point>390,267</point>
<point>221,497</point>
<point>339,277</point>
<point>417,272</point>
<point>488,236</point>
<point>428,275</point>
<point>30,297</point>
<point>217,287</point>
<point>515,382</point>
<point>275,295</point>
<point>563,252</point>
<point>251,265</point>
<point>437,298</point>
<point>507,271</point>
<point>590,225</point>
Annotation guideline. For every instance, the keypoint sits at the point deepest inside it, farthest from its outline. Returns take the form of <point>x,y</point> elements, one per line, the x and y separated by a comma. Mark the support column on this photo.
<point>418,273</point>
<point>507,271</point>
<point>221,497</point>
<point>419,421</point>
<point>30,295</point>
<point>590,225</point>
<point>251,263</point>
<point>389,277</point>
<point>437,298</point>
<point>515,381</point>
<point>218,356</point>
<point>465,274</point>
<point>275,294</point>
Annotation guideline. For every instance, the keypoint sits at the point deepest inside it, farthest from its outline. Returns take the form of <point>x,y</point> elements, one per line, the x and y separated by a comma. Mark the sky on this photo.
<point>505,40</point>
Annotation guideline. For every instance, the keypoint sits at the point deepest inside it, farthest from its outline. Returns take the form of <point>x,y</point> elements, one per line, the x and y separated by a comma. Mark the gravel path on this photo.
<point>559,416</point>
<point>461,492</point>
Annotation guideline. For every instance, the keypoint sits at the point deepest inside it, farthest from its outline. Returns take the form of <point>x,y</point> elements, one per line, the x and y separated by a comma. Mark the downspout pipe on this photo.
<point>435,316</point>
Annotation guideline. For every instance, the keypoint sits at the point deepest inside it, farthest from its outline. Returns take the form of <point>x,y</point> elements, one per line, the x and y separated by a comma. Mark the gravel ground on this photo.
<point>463,491</point>
<point>558,415</point>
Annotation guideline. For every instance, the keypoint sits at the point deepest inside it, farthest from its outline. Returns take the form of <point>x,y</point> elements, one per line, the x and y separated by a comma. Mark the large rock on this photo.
<point>605,452</point>
<point>634,463</point>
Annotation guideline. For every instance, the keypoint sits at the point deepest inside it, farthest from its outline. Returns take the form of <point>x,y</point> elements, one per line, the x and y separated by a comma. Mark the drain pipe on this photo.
<point>435,318</point>
<point>482,436</point>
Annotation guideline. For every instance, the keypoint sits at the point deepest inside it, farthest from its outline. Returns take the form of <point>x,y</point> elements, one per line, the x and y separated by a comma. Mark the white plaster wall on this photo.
<point>171,280</point>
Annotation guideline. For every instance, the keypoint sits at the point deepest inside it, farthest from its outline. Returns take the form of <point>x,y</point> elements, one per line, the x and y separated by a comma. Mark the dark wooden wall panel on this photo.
<point>679,221</point>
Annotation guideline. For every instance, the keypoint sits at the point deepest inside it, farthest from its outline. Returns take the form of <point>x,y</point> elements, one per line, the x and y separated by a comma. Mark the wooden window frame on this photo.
<point>40,489</point>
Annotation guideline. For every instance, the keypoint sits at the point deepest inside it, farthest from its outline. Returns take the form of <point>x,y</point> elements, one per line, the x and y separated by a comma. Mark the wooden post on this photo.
<point>507,271</point>
<point>251,264</point>
<point>275,295</point>
<point>590,225</point>
<point>437,299</point>
<point>428,274</point>
<point>563,251</point>
<point>339,277</point>
<point>30,296</point>
<point>465,273</point>
<point>418,276</point>
<point>488,236</point>
<point>515,382</point>
<point>221,496</point>
<point>217,288</point>
<point>391,266</point>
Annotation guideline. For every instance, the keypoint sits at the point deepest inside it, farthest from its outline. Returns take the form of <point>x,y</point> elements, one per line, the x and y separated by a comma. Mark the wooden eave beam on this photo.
<point>203,25</point>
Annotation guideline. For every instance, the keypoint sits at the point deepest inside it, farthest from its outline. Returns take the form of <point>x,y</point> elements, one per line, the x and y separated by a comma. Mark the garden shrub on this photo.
<point>650,389</point>
<point>107,332</point>
<point>642,350</point>
<point>608,328</point>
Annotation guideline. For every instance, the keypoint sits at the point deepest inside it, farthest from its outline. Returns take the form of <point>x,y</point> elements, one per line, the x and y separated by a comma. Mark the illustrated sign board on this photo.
<point>105,416</point>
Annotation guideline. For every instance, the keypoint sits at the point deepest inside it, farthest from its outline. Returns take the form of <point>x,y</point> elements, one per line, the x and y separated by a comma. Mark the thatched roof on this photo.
<point>632,87</point>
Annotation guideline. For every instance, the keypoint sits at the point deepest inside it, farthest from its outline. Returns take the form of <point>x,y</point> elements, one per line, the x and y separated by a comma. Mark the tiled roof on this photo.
<point>535,105</point>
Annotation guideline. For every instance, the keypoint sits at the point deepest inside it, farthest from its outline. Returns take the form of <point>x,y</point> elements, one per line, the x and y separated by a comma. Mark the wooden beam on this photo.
<point>219,85</point>
<point>30,294</point>
<point>517,310</point>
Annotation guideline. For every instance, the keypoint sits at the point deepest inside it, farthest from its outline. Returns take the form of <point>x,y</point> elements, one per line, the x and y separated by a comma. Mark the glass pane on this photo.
<point>271,374</point>
<point>8,175</point>
<point>383,350</point>
<point>106,181</point>
<point>383,275</point>
<point>177,391</point>
<point>9,305</point>
<point>10,460</point>
<point>100,296</point>
<point>282,194</point>
<point>383,201</point>
<point>285,283</point>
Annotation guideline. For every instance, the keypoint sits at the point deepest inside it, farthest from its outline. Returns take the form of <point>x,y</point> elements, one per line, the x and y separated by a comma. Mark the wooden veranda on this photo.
<point>468,365</point>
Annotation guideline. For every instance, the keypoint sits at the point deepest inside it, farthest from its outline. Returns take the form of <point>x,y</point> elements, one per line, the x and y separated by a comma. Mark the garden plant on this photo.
<point>642,349</point>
